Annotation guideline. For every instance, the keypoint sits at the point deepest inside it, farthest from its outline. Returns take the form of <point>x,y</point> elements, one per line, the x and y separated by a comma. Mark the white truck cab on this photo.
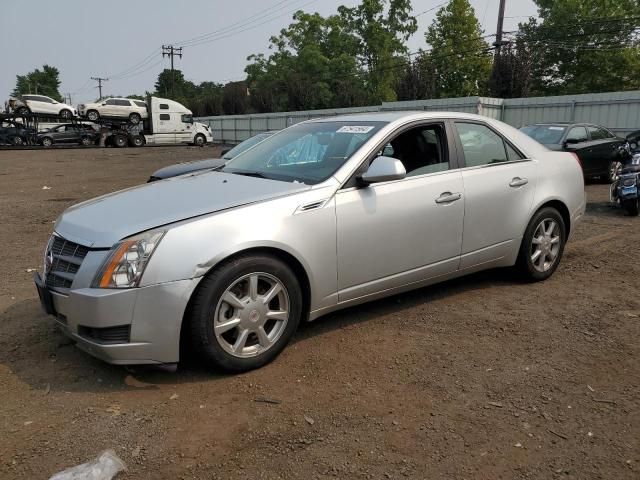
<point>172,123</point>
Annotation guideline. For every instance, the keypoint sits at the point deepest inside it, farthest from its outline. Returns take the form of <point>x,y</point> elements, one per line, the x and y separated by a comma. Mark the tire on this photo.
<point>135,118</point>
<point>85,141</point>
<point>200,140</point>
<point>16,141</point>
<point>535,266</point>
<point>23,111</point>
<point>136,141</point>
<point>232,279</point>
<point>612,172</point>
<point>631,207</point>
<point>120,141</point>
<point>66,114</point>
<point>47,142</point>
<point>93,115</point>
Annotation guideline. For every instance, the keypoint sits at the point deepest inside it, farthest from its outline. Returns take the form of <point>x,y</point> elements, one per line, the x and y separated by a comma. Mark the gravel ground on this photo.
<point>481,377</point>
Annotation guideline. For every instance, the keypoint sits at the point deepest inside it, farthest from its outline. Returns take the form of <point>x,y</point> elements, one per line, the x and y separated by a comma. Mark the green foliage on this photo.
<point>203,99</point>
<point>43,82</point>
<point>459,54</point>
<point>577,46</point>
<point>381,32</point>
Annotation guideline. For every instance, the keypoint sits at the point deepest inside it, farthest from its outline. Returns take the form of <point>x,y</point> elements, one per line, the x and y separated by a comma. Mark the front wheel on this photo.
<point>542,245</point>
<point>200,140</point>
<point>245,312</point>
<point>631,207</point>
<point>16,141</point>
<point>46,142</point>
<point>23,111</point>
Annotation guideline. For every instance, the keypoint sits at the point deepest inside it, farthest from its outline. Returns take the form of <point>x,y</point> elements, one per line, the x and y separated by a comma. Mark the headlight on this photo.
<point>125,264</point>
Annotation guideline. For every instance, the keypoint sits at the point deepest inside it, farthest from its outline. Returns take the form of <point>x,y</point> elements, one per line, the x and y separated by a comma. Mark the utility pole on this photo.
<point>171,51</point>
<point>69,97</point>
<point>100,80</point>
<point>498,43</point>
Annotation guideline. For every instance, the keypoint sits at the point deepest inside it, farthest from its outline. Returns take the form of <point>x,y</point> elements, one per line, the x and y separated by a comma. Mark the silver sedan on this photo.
<point>323,215</point>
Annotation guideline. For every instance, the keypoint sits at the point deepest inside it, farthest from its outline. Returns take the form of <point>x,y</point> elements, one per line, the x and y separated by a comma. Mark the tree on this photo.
<point>512,71</point>
<point>418,81</point>
<point>584,46</point>
<point>459,53</point>
<point>313,66</point>
<point>381,32</point>
<point>234,98</point>
<point>42,82</point>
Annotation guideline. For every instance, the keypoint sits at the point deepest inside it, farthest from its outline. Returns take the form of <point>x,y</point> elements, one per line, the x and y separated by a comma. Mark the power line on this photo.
<point>100,80</point>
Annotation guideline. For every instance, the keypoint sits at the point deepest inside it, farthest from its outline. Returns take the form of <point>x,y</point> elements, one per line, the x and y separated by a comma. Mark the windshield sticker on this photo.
<point>355,129</point>
<point>556,128</point>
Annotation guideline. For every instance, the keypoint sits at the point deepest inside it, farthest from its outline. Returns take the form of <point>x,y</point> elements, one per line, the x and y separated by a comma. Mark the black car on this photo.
<point>14,133</point>
<point>598,149</point>
<point>189,167</point>
<point>69,133</point>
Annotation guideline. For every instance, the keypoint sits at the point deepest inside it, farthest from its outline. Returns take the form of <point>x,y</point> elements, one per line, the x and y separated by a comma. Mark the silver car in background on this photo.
<point>323,215</point>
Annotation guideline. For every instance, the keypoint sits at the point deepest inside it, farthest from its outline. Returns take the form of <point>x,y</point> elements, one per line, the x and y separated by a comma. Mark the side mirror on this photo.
<point>383,169</point>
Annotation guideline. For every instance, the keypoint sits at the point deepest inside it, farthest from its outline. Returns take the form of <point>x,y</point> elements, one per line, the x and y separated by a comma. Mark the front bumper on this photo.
<point>152,314</point>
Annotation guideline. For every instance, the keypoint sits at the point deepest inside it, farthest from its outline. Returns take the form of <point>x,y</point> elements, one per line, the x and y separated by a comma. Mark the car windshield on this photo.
<point>307,153</point>
<point>545,134</point>
<point>246,145</point>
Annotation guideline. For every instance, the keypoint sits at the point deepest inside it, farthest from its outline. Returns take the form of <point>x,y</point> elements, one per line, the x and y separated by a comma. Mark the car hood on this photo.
<point>187,167</point>
<point>103,221</point>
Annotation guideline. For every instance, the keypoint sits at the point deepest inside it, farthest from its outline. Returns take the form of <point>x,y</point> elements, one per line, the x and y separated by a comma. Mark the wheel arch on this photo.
<point>286,257</point>
<point>561,207</point>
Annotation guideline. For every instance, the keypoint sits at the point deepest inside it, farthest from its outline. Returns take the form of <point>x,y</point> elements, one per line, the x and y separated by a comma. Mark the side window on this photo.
<point>481,145</point>
<point>577,135</point>
<point>164,106</point>
<point>111,102</point>
<point>123,103</point>
<point>165,116</point>
<point>512,154</point>
<point>187,118</point>
<point>421,150</point>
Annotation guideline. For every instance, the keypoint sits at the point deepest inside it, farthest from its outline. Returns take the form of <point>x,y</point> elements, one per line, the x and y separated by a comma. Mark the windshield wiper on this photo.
<point>248,173</point>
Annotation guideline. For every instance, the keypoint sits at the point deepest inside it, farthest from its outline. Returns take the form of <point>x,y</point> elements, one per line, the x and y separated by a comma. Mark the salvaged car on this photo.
<point>323,215</point>
<point>124,108</point>
<point>39,104</point>
<point>69,133</point>
<point>597,148</point>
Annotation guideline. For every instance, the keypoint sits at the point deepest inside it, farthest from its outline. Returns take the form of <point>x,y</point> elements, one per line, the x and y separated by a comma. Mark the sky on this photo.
<point>122,40</point>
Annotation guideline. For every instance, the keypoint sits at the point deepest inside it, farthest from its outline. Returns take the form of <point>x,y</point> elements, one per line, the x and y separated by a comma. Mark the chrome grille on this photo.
<point>62,261</point>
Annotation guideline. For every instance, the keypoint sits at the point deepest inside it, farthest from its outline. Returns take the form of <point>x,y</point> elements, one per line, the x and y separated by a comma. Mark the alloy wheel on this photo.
<point>251,315</point>
<point>614,168</point>
<point>545,245</point>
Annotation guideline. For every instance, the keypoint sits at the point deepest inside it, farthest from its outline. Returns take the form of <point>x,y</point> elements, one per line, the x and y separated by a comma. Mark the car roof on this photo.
<point>393,116</point>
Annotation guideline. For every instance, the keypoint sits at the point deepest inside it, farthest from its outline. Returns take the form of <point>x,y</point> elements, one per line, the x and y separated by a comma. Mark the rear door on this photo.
<point>499,184</point>
<point>604,147</point>
<point>578,142</point>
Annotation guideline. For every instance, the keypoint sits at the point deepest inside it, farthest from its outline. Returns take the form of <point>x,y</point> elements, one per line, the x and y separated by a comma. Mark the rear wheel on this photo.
<point>66,114</point>
<point>47,142</point>
<point>136,141</point>
<point>612,173</point>
<point>135,118</point>
<point>93,115</point>
<point>200,140</point>
<point>16,140</point>
<point>119,141</point>
<point>542,245</point>
<point>245,312</point>
<point>85,141</point>
<point>631,207</point>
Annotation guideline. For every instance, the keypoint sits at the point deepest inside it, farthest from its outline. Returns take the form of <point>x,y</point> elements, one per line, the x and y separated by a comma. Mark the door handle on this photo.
<point>518,182</point>
<point>448,197</point>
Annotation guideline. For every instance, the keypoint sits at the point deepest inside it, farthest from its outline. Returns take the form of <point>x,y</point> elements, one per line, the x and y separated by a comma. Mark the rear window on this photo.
<point>545,134</point>
<point>140,104</point>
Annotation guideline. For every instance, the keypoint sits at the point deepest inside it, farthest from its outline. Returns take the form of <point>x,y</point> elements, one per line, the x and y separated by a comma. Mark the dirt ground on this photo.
<point>479,378</point>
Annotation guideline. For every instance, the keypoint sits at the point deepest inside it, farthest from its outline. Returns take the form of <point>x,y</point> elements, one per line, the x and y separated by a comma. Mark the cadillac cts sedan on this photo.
<point>322,215</point>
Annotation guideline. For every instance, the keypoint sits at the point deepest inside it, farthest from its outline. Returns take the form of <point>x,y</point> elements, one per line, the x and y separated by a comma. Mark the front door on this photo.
<point>499,184</point>
<point>405,231</point>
